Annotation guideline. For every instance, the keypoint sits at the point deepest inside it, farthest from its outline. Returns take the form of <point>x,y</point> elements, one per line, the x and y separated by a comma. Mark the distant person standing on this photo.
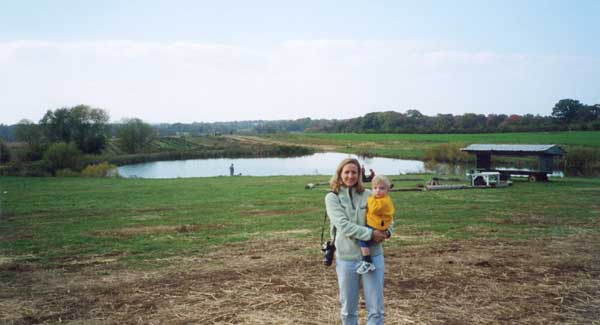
<point>362,173</point>
<point>231,170</point>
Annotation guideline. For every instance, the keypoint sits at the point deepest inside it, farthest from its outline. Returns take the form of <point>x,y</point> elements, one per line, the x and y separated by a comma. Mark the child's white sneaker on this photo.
<point>365,267</point>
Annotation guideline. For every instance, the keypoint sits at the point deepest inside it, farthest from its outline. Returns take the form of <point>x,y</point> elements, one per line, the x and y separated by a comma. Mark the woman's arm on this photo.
<point>337,216</point>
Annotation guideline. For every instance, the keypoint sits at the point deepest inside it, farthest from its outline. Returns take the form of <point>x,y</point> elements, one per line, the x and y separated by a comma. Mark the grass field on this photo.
<point>413,146</point>
<point>245,250</point>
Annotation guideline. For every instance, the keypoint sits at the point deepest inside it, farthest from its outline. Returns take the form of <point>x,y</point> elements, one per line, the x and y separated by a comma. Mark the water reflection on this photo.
<point>446,169</point>
<point>317,164</point>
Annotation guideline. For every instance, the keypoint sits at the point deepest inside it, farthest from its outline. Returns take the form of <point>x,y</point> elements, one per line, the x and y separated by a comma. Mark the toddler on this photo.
<point>380,211</point>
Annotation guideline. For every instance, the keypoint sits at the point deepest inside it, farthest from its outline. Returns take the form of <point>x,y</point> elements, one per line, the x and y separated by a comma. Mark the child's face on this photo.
<point>379,190</point>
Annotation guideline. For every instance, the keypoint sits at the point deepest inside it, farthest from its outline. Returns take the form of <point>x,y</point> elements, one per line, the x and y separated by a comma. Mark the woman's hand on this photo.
<point>379,236</point>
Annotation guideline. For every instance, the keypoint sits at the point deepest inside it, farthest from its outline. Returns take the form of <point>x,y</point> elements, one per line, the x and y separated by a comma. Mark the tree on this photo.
<point>30,133</point>
<point>370,122</point>
<point>596,111</point>
<point>55,125</point>
<point>567,110</point>
<point>443,123</point>
<point>471,122</point>
<point>493,121</point>
<point>7,132</point>
<point>89,128</point>
<point>85,126</point>
<point>389,121</point>
<point>414,114</point>
<point>511,122</point>
<point>134,135</point>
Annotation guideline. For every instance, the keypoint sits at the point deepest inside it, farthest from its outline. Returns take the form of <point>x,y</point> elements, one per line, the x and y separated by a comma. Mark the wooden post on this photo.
<point>484,160</point>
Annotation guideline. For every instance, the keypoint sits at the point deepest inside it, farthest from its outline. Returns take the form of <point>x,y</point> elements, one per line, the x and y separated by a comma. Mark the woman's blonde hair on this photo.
<point>336,180</point>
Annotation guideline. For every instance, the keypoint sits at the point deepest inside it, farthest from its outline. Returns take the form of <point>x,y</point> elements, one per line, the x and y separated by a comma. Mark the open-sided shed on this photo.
<point>544,152</point>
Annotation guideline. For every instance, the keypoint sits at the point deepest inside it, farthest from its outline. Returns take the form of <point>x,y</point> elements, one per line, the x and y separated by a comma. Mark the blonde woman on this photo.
<point>346,206</point>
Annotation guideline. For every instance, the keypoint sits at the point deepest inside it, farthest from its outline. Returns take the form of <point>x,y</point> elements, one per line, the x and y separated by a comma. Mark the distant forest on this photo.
<point>567,114</point>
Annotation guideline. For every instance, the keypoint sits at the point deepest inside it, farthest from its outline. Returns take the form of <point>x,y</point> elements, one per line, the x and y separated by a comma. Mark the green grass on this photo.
<point>47,220</point>
<point>413,146</point>
<point>585,138</point>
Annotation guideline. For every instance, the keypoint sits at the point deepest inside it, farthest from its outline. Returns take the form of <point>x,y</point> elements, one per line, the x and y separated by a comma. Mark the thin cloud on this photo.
<point>194,81</point>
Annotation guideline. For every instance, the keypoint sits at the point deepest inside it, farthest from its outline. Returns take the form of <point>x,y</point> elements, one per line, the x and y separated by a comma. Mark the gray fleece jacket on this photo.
<point>347,214</point>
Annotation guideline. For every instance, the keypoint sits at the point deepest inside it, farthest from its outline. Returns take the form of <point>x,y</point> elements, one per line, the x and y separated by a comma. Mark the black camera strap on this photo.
<point>323,228</point>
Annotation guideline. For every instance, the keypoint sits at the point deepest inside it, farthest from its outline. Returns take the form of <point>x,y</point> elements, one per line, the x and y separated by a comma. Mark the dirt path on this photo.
<point>275,282</point>
<point>247,139</point>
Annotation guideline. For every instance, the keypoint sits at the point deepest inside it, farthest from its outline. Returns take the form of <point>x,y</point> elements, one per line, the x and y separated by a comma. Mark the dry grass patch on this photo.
<point>271,213</point>
<point>15,237</point>
<point>273,281</point>
<point>160,229</point>
<point>491,282</point>
<point>535,220</point>
<point>154,209</point>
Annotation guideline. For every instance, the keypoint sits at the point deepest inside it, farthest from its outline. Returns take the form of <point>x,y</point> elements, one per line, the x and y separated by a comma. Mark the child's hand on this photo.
<point>379,236</point>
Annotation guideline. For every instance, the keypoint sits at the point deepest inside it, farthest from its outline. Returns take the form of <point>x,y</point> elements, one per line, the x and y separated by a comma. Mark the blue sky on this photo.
<point>185,61</point>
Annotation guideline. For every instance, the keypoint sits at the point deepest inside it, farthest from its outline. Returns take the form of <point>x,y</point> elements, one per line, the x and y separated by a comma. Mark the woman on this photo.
<point>346,207</point>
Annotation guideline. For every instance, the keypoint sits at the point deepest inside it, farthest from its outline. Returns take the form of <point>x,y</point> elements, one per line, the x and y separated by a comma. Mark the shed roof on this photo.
<point>515,149</point>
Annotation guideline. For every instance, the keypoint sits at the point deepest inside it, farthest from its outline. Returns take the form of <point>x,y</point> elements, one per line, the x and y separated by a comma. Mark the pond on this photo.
<point>316,164</point>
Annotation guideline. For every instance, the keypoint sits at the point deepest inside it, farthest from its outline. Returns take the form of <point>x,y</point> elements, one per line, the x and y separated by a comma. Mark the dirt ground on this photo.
<point>276,282</point>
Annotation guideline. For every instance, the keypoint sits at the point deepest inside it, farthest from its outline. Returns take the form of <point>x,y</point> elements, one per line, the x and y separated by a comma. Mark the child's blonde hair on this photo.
<point>380,179</point>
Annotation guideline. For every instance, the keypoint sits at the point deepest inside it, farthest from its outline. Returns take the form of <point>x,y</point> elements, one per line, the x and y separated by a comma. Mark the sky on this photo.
<point>205,61</point>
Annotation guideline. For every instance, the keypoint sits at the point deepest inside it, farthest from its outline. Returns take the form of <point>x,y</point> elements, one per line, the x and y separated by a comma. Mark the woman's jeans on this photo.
<point>349,282</point>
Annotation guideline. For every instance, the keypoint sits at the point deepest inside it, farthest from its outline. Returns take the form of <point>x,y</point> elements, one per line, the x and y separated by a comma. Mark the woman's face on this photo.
<point>349,175</point>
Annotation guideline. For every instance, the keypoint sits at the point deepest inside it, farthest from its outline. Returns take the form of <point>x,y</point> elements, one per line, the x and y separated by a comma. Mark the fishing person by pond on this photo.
<point>346,207</point>
<point>364,176</point>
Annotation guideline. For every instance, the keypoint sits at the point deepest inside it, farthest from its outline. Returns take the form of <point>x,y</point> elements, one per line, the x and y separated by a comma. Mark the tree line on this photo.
<point>567,114</point>
<point>64,135</point>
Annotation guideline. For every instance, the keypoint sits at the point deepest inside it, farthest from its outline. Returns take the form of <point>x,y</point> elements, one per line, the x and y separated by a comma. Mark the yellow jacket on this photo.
<point>380,212</point>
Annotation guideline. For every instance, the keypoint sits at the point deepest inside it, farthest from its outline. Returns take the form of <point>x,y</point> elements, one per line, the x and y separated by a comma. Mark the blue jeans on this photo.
<point>367,243</point>
<point>349,284</point>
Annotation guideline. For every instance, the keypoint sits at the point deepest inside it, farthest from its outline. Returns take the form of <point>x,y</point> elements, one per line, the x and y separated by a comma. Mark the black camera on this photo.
<point>328,248</point>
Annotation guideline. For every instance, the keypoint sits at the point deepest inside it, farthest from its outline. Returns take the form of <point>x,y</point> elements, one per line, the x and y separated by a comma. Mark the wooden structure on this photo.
<point>544,152</point>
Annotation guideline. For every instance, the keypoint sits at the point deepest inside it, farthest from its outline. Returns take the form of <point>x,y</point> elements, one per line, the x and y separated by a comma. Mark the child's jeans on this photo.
<point>365,243</point>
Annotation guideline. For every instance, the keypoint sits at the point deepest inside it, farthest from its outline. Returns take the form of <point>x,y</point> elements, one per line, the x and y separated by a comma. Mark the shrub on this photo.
<point>62,156</point>
<point>4,153</point>
<point>35,168</point>
<point>582,161</point>
<point>66,173</point>
<point>11,169</point>
<point>19,168</point>
<point>446,153</point>
<point>102,169</point>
